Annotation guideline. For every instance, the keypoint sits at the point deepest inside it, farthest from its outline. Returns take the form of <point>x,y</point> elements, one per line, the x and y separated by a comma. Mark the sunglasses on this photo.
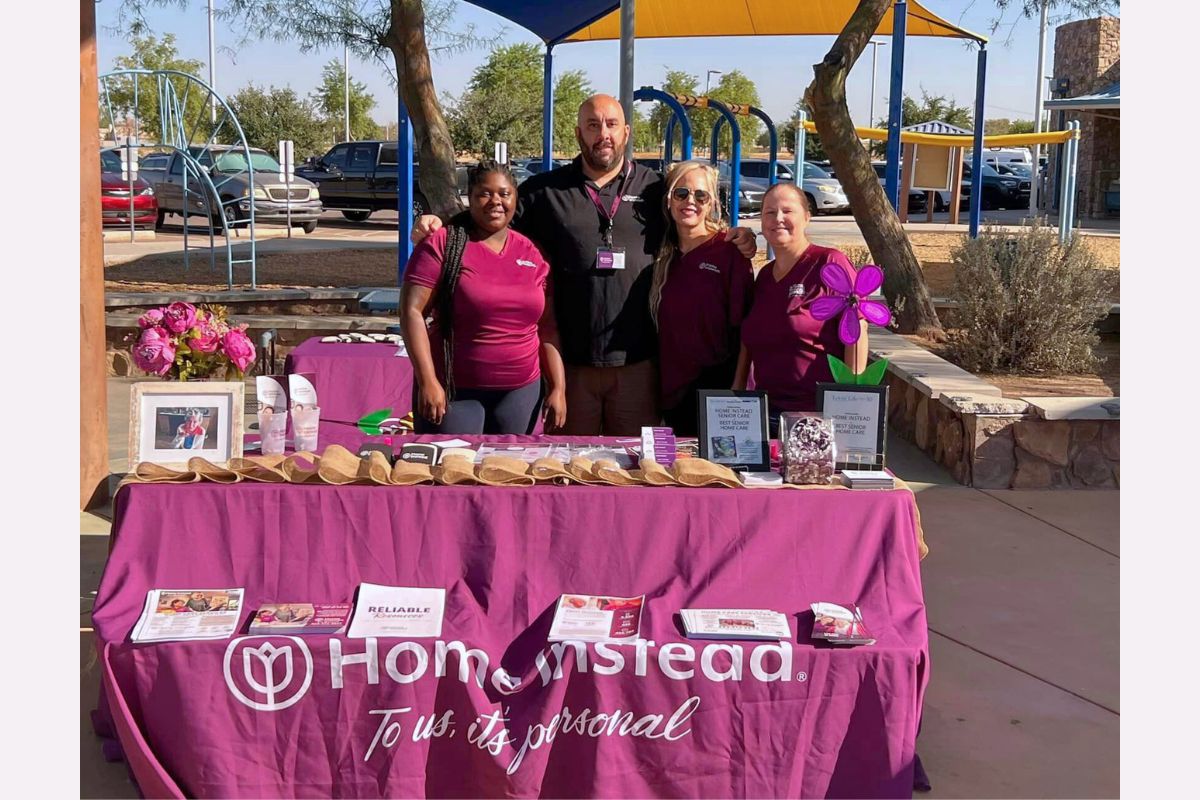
<point>681,194</point>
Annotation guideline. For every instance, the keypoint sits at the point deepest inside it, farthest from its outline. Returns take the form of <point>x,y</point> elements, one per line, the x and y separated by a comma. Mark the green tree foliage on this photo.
<point>677,82</point>
<point>734,87</point>
<point>644,140</point>
<point>330,99</point>
<point>152,53</point>
<point>787,135</point>
<point>1002,126</point>
<point>503,103</point>
<point>269,115</point>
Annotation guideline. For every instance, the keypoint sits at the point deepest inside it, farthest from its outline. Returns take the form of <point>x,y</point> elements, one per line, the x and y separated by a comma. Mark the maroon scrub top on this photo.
<point>704,300</point>
<point>788,350</point>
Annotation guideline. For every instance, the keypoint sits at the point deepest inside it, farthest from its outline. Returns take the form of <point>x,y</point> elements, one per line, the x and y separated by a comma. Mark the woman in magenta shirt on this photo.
<point>700,291</point>
<point>492,284</point>
<point>781,342</point>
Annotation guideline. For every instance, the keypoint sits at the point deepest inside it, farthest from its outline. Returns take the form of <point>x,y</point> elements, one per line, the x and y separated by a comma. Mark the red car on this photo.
<point>114,195</point>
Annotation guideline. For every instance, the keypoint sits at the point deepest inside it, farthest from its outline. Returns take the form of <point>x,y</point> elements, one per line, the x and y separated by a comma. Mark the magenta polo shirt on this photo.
<point>497,307</point>
<point>788,351</point>
<point>704,300</point>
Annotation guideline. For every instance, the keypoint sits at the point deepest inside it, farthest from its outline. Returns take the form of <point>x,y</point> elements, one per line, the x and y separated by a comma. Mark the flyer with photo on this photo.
<point>301,392</point>
<point>412,613</point>
<point>177,615</point>
<point>300,618</point>
<point>735,623</point>
<point>839,624</point>
<point>596,618</point>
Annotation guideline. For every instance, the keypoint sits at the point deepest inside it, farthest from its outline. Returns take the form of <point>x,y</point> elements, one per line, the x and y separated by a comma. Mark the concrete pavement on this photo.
<point>1022,591</point>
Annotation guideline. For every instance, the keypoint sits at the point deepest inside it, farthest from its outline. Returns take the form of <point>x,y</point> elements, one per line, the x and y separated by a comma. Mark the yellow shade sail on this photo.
<point>942,140</point>
<point>667,19</point>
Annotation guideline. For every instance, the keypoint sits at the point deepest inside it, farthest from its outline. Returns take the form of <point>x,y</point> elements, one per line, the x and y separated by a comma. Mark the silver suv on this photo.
<point>825,194</point>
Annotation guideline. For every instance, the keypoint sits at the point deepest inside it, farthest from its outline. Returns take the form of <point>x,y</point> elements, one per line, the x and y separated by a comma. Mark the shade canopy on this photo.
<point>1109,97</point>
<point>557,21</point>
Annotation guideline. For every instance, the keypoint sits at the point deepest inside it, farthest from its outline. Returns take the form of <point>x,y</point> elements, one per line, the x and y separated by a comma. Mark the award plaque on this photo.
<point>733,429</point>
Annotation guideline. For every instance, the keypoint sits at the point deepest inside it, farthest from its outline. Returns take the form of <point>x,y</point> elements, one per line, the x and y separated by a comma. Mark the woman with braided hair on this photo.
<point>477,316</point>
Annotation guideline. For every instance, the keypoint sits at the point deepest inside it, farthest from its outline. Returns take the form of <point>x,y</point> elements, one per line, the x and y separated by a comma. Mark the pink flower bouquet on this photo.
<point>182,342</point>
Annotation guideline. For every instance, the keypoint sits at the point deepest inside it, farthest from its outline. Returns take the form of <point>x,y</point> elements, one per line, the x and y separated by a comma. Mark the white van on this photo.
<point>1005,155</point>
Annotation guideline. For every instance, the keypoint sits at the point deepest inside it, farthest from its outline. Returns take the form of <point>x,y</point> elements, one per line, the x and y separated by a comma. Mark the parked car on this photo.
<point>999,191</point>
<point>825,194</point>
<point>115,192</point>
<point>534,165</point>
<point>229,171</point>
<point>750,191</point>
<point>655,164</point>
<point>360,178</point>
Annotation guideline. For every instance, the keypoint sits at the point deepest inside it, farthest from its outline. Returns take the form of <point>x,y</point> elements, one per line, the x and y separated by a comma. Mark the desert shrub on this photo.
<point>1026,304</point>
<point>857,254</point>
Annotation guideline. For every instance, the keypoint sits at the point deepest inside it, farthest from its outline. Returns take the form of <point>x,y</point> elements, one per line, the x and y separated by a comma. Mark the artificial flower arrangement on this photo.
<point>183,342</point>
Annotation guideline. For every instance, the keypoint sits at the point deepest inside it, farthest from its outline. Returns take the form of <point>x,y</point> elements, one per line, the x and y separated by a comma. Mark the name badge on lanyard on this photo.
<point>607,256</point>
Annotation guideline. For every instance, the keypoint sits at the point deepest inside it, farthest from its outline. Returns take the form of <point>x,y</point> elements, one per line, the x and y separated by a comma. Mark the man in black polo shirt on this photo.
<point>599,222</point>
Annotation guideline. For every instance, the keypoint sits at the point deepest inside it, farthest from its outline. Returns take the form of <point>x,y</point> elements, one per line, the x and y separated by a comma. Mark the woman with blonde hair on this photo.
<point>700,292</point>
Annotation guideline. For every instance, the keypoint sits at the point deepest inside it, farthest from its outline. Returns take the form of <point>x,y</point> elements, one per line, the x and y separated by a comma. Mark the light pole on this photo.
<point>1037,108</point>
<point>874,68</point>
<point>212,66</point>
<point>708,80</point>
<point>346,89</point>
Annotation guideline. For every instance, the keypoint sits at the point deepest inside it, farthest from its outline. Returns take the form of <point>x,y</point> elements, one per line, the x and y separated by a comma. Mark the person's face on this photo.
<point>177,604</point>
<point>601,132</point>
<point>690,201</point>
<point>493,202</point>
<point>784,217</point>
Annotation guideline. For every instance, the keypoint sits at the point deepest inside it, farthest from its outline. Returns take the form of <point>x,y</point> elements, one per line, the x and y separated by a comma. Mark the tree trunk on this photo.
<point>904,284</point>
<point>406,39</point>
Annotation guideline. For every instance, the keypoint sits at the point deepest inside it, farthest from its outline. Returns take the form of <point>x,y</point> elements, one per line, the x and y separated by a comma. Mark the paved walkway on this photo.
<point>1022,590</point>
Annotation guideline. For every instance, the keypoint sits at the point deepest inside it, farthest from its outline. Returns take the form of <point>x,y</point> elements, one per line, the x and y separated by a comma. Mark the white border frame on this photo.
<point>147,397</point>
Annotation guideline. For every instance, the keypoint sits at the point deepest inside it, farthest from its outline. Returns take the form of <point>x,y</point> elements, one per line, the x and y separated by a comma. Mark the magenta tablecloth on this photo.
<point>353,380</point>
<point>746,723</point>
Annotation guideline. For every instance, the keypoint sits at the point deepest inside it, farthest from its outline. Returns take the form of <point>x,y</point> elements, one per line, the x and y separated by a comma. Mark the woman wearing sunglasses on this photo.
<point>700,292</point>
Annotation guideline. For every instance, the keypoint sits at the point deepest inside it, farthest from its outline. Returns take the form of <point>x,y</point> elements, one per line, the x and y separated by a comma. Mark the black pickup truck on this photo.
<point>359,178</point>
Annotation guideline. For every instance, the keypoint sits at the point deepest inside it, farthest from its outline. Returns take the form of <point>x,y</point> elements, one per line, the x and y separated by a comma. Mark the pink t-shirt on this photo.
<point>788,351</point>
<point>704,299</point>
<point>497,307</point>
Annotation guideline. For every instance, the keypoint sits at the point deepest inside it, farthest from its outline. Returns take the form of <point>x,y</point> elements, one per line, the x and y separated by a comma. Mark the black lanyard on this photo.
<point>608,215</point>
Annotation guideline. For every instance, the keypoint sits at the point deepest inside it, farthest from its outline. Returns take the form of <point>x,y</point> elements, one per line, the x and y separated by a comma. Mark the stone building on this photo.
<point>1087,87</point>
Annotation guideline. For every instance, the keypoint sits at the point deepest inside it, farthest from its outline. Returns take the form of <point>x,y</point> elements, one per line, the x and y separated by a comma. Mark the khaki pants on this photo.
<point>613,401</point>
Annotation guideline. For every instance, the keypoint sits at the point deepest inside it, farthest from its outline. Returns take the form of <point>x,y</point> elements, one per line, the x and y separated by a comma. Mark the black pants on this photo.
<point>683,419</point>
<point>493,411</point>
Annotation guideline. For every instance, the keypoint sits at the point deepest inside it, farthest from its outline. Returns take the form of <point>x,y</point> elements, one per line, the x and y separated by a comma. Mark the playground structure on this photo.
<point>172,90</point>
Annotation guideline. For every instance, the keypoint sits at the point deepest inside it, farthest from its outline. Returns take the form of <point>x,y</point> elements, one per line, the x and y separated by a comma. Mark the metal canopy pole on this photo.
<point>895,103</point>
<point>1037,109</point>
<point>627,13</point>
<point>977,151</point>
<point>801,136</point>
<point>548,108</point>
<point>404,181</point>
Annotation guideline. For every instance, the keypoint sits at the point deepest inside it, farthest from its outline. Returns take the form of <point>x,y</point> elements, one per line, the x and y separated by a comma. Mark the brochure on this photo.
<point>412,613</point>
<point>592,618</point>
<point>839,624</point>
<point>177,615</point>
<point>521,452</point>
<point>301,392</point>
<point>735,623</point>
<point>658,444</point>
<point>272,394</point>
<point>300,618</point>
<point>868,479</point>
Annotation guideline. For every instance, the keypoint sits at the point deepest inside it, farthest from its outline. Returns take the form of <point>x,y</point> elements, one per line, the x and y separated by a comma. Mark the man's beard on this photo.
<point>597,161</point>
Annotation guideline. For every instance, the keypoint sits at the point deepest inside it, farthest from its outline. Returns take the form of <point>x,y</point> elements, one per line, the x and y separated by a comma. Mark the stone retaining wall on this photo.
<point>991,442</point>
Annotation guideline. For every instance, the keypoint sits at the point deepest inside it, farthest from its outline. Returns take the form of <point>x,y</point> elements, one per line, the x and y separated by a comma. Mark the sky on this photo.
<point>781,66</point>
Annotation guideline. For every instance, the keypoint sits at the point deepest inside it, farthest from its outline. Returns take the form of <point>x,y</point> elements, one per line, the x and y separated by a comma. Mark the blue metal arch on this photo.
<point>650,94</point>
<point>774,136</point>
<point>174,135</point>
<point>735,155</point>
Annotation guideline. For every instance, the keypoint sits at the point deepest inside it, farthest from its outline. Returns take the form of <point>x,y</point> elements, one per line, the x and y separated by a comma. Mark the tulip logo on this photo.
<point>268,671</point>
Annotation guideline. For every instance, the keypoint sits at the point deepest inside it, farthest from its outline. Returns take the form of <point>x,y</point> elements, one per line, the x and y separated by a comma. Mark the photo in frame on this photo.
<point>859,417</point>
<point>172,422</point>
<point>733,429</point>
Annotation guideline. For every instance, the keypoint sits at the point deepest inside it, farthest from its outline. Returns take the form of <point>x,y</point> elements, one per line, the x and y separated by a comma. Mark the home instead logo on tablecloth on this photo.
<point>268,671</point>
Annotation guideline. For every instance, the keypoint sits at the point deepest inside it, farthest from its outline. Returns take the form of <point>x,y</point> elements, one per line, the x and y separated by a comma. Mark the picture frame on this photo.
<point>859,417</point>
<point>172,422</point>
<point>733,429</point>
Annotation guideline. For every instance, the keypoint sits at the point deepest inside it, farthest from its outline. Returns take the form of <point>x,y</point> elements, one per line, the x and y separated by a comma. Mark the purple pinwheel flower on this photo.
<point>852,301</point>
